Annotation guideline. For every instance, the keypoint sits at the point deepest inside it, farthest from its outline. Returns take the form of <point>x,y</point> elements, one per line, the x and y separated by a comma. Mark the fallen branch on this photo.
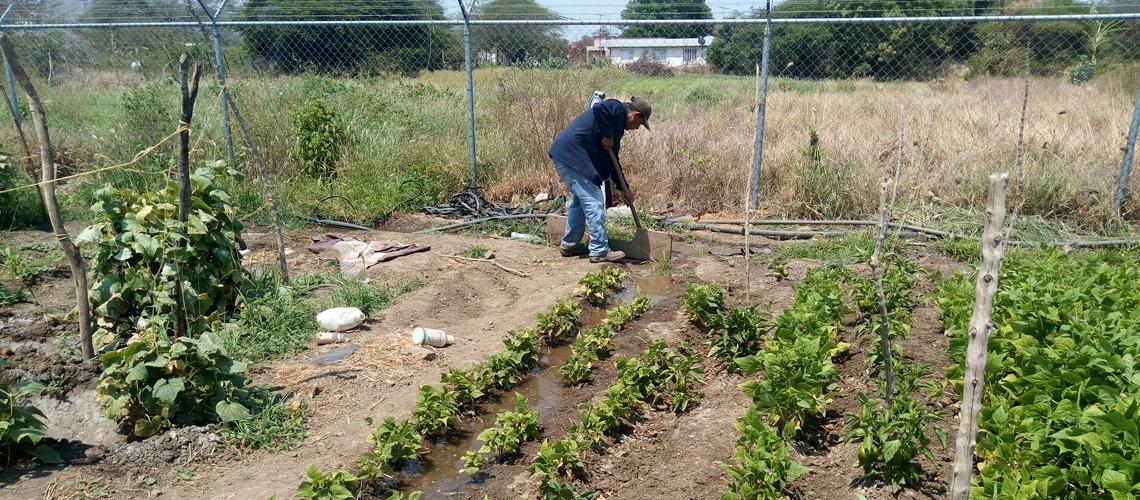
<point>490,261</point>
<point>480,221</point>
<point>777,222</point>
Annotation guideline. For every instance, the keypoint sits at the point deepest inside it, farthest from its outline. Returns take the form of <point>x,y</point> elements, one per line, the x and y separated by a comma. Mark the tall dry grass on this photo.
<point>698,155</point>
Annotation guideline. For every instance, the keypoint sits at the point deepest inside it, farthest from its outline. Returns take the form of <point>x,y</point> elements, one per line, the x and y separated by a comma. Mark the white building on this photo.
<point>673,52</point>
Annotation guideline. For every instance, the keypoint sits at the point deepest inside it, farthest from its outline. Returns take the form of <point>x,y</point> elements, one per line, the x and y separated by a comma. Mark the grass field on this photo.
<point>827,141</point>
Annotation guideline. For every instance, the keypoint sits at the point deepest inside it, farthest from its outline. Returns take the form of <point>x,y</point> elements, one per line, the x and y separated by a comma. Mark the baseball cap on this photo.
<point>642,106</point>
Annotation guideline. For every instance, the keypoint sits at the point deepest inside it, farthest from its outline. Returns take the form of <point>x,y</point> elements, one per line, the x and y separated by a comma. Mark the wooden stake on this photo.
<point>29,161</point>
<point>490,261</point>
<point>264,173</point>
<point>993,249</point>
<point>877,273</point>
<point>47,190</point>
<point>189,96</point>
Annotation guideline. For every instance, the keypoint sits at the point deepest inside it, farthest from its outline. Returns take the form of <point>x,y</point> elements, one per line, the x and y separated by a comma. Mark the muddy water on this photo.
<point>441,473</point>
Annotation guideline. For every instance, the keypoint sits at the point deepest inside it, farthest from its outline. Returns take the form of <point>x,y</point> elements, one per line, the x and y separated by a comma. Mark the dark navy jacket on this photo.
<point>579,145</point>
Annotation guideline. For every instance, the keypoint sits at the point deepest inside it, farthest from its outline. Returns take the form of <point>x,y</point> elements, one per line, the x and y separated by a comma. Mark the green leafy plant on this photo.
<point>274,326</point>
<point>393,443</point>
<point>618,317</point>
<point>436,411</point>
<point>469,386</point>
<point>596,285</point>
<point>140,252</point>
<point>524,342</point>
<point>12,297</point>
<point>739,333</point>
<point>779,268</point>
<point>553,489</point>
<point>586,349</point>
<point>891,440</point>
<point>615,408</point>
<point>320,133</point>
<point>22,425</point>
<point>683,376</point>
<point>396,495</point>
<point>339,485</point>
<point>763,466</point>
<point>26,263</point>
<point>367,297</point>
<point>1061,399</point>
<point>703,304</point>
<point>276,425</point>
<point>560,459</point>
<point>661,375</point>
<point>512,429</point>
<point>155,382</point>
<point>559,322</point>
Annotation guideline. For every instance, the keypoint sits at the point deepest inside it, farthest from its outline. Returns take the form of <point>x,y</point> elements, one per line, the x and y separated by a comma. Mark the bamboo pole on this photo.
<point>51,205</point>
<point>981,325</point>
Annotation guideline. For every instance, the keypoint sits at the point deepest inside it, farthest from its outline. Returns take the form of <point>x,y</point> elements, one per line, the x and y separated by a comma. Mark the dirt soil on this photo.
<point>661,455</point>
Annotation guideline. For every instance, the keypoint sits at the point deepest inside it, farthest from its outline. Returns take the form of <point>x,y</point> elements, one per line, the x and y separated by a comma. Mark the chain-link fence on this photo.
<point>390,78</point>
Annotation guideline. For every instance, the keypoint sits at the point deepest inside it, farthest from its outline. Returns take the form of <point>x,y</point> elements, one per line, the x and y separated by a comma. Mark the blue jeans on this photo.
<point>587,212</point>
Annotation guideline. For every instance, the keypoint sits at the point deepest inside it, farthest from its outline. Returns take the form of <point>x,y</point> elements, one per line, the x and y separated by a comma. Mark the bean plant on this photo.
<point>595,286</point>
<point>393,443</point>
<point>512,429</point>
<point>703,304</point>
<point>436,411</point>
<point>559,322</point>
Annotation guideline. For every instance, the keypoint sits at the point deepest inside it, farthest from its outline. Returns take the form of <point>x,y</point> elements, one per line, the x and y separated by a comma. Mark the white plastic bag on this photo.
<point>339,319</point>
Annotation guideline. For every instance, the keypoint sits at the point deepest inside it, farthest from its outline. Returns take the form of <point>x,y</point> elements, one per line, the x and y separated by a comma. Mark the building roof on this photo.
<point>655,42</point>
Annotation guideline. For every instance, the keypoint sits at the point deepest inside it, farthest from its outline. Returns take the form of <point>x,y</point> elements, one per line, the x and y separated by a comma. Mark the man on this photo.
<point>581,156</point>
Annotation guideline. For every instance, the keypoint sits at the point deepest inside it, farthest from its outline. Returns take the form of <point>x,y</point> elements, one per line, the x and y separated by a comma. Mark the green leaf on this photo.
<point>795,470</point>
<point>231,411</point>
<point>890,448</point>
<point>166,390</point>
<point>147,427</point>
<point>31,388</point>
<point>1114,480</point>
<point>46,454</point>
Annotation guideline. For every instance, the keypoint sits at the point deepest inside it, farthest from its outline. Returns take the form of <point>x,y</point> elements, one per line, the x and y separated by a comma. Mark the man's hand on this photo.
<point>608,143</point>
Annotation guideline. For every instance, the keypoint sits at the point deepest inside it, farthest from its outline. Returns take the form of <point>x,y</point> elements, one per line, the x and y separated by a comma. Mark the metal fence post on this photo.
<point>471,182</point>
<point>11,80</point>
<point>220,64</point>
<point>761,108</point>
<point>1129,153</point>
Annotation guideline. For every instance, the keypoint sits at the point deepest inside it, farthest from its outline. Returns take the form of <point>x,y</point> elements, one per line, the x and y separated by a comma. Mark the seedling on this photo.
<point>436,411</point>
<point>512,429</point>
<point>559,323</point>
<point>393,443</point>
<point>339,485</point>
<point>559,459</point>
<point>596,285</point>
<point>703,305</point>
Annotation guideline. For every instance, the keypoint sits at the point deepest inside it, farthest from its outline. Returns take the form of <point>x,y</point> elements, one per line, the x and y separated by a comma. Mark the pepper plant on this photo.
<point>703,305</point>
<point>436,411</point>
<point>393,443</point>
<point>559,322</point>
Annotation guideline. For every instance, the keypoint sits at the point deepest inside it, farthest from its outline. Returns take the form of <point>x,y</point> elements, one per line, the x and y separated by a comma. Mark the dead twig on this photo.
<point>490,261</point>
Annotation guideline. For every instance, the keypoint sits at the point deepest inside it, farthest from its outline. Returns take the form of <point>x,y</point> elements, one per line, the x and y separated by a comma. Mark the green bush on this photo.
<point>763,465</point>
<point>703,305</point>
<point>150,112</point>
<point>137,243</point>
<point>739,333</point>
<point>155,382</point>
<point>891,440</point>
<point>320,132</point>
<point>22,425</point>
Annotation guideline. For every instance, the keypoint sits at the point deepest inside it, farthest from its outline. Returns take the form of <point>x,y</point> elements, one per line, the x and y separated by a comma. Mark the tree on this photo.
<point>513,44</point>
<point>667,9</point>
<point>404,49</point>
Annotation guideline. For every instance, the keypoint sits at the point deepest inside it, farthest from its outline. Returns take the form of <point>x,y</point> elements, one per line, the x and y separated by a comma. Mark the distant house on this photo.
<point>673,52</point>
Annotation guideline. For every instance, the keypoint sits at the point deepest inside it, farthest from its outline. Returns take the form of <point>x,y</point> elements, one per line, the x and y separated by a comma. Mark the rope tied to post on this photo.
<point>182,127</point>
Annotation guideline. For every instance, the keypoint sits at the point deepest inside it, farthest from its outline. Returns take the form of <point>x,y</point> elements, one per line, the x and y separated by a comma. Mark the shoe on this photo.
<point>575,250</point>
<point>612,256</point>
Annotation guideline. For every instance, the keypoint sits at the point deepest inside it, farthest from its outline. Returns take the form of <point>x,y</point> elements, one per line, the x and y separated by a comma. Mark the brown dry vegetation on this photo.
<point>696,158</point>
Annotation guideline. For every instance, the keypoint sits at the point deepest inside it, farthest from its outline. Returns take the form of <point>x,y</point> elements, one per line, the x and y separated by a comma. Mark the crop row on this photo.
<point>439,408</point>
<point>799,378</point>
<point>592,344</point>
<point>893,434</point>
<point>658,377</point>
<point>1062,387</point>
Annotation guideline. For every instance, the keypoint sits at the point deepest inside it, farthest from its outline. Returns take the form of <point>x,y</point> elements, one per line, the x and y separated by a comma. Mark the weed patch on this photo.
<point>276,425</point>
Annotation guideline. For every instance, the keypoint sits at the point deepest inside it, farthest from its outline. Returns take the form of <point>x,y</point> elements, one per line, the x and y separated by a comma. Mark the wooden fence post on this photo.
<point>47,189</point>
<point>993,249</point>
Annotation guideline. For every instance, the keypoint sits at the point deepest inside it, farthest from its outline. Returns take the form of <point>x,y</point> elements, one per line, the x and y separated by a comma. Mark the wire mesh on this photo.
<point>840,74</point>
